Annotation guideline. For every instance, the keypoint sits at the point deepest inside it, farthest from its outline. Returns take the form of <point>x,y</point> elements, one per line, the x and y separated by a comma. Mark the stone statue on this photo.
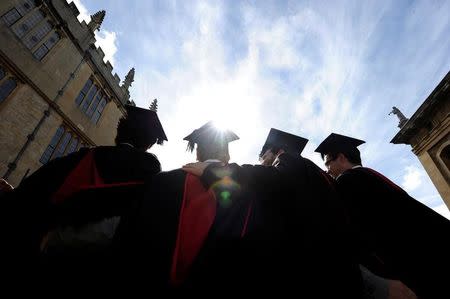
<point>401,117</point>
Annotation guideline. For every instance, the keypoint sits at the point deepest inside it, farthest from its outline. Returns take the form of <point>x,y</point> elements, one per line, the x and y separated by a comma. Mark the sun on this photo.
<point>229,117</point>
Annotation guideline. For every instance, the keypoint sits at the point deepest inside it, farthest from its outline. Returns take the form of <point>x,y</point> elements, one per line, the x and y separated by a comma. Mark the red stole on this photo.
<point>84,176</point>
<point>198,210</point>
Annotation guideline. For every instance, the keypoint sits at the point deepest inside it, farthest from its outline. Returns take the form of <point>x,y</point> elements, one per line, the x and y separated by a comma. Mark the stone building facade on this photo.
<point>428,132</point>
<point>56,92</point>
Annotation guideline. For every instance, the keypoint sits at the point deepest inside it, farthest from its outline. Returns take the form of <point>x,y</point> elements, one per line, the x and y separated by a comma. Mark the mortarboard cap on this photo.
<point>290,143</point>
<point>338,143</point>
<point>146,121</point>
<point>209,134</point>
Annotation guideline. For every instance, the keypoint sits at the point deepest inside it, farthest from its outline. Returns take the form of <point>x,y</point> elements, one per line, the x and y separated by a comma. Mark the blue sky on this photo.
<point>306,67</point>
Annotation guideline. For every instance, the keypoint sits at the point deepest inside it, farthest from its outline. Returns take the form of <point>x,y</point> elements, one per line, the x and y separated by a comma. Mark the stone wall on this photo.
<point>39,83</point>
<point>19,115</point>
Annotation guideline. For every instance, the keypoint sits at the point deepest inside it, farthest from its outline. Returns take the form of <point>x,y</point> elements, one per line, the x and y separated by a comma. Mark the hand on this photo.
<point>196,168</point>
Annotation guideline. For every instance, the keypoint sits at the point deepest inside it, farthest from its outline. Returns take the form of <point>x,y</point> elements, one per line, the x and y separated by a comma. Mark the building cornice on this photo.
<point>422,117</point>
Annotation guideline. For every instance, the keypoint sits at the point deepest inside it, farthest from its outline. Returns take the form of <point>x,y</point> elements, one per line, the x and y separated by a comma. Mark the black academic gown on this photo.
<point>398,236</point>
<point>29,212</point>
<point>297,240</point>
<point>153,241</point>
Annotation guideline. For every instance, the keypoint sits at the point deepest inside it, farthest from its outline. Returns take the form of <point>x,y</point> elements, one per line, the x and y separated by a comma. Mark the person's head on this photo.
<point>279,142</point>
<point>340,153</point>
<point>141,128</point>
<point>270,155</point>
<point>338,162</point>
<point>212,143</point>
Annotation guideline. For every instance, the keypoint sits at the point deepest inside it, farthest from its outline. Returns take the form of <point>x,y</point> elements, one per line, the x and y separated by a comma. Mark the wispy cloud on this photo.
<point>310,68</point>
<point>412,178</point>
<point>203,87</point>
<point>107,40</point>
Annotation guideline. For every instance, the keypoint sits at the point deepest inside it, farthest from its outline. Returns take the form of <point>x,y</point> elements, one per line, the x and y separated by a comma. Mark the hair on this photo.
<point>213,151</point>
<point>352,154</point>
<point>131,131</point>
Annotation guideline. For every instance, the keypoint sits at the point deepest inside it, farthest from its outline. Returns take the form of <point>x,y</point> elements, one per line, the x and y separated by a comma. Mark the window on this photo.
<point>30,25</point>
<point>62,146</point>
<point>89,98</point>
<point>64,142</point>
<point>94,104</point>
<point>21,29</point>
<point>92,100</point>
<point>51,147</point>
<point>73,145</point>
<point>99,111</point>
<point>7,84</point>
<point>11,17</point>
<point>26,7</point>
<point>40,52</point>
<point>38,35</point>
<point>18,12</point>
<point>45,47</point>
<point>52,40</point>
<point>6,87</point>
<point>83,92</point>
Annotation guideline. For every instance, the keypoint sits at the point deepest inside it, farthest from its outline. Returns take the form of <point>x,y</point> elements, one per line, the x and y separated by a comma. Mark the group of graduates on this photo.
<point>108,217</point>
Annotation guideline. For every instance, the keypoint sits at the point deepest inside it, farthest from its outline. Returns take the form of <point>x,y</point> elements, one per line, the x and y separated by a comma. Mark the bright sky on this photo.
<point>306,67</point>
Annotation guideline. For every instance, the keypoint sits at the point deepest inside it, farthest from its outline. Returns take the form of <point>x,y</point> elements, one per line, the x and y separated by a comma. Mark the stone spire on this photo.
<point>401,117</point>
<point>96,20</point>
<point>154,105</point>
<point>129,78</point>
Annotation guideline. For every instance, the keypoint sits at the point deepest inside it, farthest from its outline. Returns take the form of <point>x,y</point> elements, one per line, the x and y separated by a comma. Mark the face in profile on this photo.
<point>267,158</point>
<point>334,165</point>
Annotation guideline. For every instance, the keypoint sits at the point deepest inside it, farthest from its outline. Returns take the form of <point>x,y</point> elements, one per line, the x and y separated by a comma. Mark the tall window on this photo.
<point>99,111</point>
<point>83,92</point>
<point>26,7</point>
<point>73,145</point>
<point>7,84</point>
<point>64,142</point>
<point>92,100</point>
<point>28,24</point>
<point>51,147</point>
<point>94,104</point>
<point>6,88</point>
<point>11,17</point>
<point>62,146</point>
<point>45,47</point>
<point>33,39</point>
<point>87,101</point>
<point>18,12</point>
<point>33,28</point>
